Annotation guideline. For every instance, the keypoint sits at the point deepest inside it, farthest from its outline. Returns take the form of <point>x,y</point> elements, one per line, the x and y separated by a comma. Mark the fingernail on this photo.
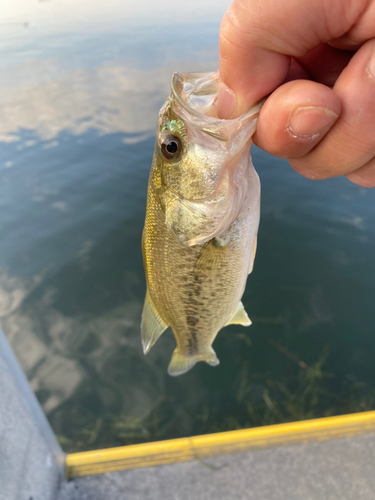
<point>371,65</point>
<point>226,102</point>
<point>310,121</point>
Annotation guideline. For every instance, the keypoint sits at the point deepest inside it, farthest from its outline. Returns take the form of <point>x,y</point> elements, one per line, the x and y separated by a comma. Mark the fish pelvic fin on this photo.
<point>181,363</point>
<point>152,325</point>
<point>239,317</point>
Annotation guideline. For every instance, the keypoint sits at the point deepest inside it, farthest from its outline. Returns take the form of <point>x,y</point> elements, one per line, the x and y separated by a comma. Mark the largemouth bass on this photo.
<point>202,217</point>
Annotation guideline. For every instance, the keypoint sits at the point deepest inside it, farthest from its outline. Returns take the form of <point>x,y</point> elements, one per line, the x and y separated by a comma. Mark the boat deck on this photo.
<point>339,469</point>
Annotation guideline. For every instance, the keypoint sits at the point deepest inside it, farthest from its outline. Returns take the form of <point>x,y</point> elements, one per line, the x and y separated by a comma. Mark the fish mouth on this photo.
<point>196,95</point>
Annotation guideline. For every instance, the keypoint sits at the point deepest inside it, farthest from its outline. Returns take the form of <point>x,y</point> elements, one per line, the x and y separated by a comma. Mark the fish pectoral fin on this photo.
<point>211,258</point>
<point>152,325</point>
<point>239,317</point>
<point>180,363</point>
<point>253,252</point>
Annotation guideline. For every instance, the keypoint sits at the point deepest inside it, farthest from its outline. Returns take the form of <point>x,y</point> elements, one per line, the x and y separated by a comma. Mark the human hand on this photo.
<point>317,57</point>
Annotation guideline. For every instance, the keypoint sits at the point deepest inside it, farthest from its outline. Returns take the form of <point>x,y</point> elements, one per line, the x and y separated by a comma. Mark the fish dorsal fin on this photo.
<point>181,363</point>
<point>239,317</point>
<point>152,325</point>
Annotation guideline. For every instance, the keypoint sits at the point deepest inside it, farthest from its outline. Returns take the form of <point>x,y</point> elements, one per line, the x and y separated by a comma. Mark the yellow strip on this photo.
<point>198,447</point>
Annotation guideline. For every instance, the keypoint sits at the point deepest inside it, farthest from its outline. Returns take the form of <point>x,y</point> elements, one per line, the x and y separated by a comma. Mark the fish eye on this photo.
<point>171,147</point>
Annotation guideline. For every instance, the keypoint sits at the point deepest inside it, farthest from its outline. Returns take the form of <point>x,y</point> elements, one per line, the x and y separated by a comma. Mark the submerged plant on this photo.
<point>259,399</point>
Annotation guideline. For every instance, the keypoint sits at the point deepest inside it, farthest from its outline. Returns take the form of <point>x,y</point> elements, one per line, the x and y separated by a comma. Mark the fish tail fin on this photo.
<point>181,363</point>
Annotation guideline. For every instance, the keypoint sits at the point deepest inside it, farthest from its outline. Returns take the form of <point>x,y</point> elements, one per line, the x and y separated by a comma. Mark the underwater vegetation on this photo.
<point>259,399</point>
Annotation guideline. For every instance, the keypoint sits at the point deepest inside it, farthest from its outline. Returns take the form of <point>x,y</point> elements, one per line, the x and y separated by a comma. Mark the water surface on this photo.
<point>81,84</point>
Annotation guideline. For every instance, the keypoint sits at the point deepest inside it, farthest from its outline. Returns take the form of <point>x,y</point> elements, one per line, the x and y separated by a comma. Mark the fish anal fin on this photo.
<point>239,317</point>
<point>181,363</point>
<point>253,252</point>
<point>152,325</point>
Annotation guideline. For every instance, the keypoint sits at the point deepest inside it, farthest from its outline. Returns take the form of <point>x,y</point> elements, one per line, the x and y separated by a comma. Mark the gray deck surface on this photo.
<point>332,470</point>
<point>30,457</point>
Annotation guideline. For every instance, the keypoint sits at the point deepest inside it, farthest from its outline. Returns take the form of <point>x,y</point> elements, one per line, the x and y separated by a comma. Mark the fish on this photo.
<point>202,216</point>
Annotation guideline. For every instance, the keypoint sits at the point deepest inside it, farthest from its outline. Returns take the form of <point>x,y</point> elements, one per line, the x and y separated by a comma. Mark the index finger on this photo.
<point>258,39</point>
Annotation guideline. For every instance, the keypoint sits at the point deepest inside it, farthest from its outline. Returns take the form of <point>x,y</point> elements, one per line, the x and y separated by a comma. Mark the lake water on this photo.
<point>81,84</point>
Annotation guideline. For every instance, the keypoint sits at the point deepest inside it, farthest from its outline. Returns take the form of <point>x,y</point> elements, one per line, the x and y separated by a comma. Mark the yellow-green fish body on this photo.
<point>202,218</point>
